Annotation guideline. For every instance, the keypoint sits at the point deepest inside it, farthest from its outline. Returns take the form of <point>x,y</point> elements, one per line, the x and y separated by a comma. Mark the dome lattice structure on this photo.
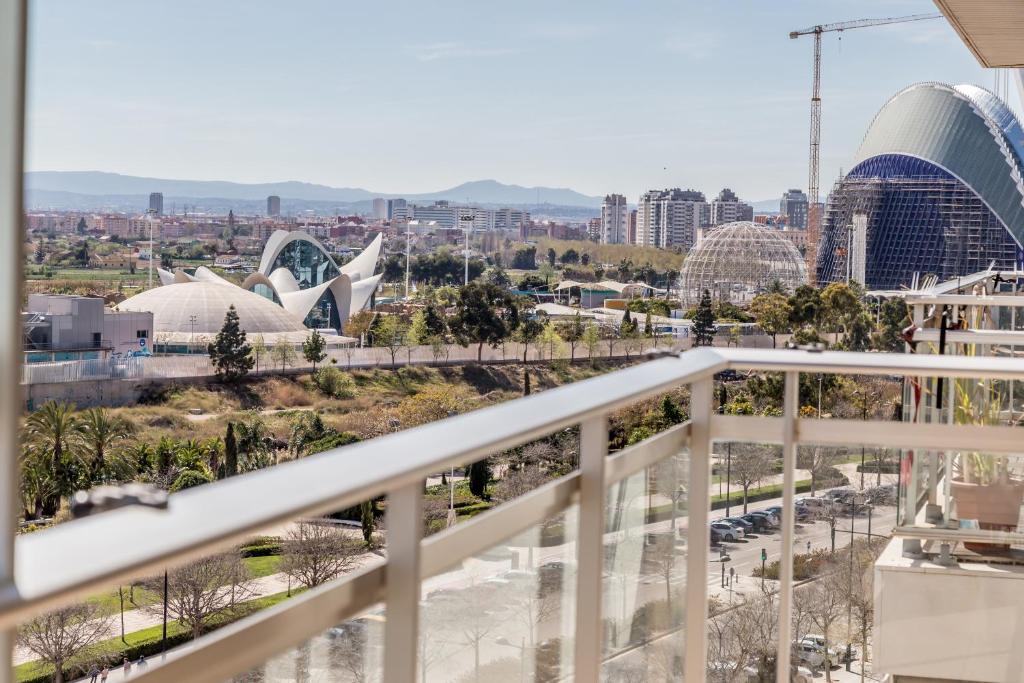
<point>737,261</point>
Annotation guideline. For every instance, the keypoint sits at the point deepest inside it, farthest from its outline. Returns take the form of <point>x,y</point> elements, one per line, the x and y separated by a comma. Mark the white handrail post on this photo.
<point>401,628</point>
<point>13,22</point>
<point>790,410</point>
<point>697,503</point>
<point>590,544</point>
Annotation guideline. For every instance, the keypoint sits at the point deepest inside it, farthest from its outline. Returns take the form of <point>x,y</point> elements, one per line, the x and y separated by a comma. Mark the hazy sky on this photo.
<point>419,96</point>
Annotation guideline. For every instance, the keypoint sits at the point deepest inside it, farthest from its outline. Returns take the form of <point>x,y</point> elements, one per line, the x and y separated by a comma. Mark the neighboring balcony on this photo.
<point>603,574</point>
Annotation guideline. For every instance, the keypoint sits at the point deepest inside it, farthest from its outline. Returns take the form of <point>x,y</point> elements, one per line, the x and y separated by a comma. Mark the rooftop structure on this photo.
<point>736,261</point>
<point>69,327</point>
<point>939,177</point>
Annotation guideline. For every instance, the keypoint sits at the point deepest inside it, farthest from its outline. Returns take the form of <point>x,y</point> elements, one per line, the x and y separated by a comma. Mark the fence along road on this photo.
<point>184,366</point>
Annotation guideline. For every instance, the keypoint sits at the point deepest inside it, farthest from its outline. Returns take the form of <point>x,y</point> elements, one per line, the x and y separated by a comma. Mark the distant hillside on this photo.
<point>65,188</point>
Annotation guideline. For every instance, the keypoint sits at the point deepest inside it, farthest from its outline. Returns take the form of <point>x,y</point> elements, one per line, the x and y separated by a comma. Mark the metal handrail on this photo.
<point>204,519</point>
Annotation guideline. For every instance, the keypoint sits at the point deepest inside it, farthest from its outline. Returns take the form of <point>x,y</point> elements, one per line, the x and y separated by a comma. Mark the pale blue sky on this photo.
<point>418,96</point>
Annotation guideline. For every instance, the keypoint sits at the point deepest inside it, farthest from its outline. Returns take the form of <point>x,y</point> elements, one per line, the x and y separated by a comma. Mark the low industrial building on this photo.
<point>67,327</point>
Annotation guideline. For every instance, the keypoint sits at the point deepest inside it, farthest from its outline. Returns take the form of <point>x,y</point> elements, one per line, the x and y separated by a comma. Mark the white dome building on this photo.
<point>738,261</point>
<point>190,313</point>
<point>297,287</point>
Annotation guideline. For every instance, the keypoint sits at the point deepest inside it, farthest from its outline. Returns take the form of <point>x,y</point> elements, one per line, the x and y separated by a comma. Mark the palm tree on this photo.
<point>54,432</point>
<point>100,432</point>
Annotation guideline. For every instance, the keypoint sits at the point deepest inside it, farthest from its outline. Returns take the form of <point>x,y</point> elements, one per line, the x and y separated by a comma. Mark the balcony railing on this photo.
<point>58,565</point>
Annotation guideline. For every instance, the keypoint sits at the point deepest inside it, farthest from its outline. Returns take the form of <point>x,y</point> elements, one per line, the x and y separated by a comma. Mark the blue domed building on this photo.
<point>939,179</point>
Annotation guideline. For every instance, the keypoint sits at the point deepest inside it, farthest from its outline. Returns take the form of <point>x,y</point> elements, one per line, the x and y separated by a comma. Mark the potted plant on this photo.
<point>983,486</point>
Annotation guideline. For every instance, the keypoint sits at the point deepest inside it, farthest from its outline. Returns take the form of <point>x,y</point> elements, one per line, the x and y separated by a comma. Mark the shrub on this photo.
<point>805,566</point>
<point>334,383</point>
<point>190,478</point>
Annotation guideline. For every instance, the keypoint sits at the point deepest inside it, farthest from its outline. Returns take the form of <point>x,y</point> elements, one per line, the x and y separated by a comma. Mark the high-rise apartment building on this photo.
<point>794,207</point>
<point>156,203</point>
<point>273,205</point>
<point>670,218</point>
<point>398,210</point>
<point>614,219</point>
<point>380,209</point>
<point>727,208</point>
<point>631,227</point>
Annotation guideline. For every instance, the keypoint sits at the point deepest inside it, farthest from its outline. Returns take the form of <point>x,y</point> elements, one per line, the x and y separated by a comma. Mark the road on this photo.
<point>483,618</point>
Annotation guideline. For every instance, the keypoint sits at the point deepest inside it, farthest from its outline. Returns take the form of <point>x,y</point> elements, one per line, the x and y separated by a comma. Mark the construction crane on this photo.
<point>813,212</point>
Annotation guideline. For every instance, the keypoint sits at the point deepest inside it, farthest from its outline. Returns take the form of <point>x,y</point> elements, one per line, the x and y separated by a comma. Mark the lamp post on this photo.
<point>192,335</point>
<point>408,242</point>
<point>467,226</point>
<point>163,645</point>
<point>764,558</point>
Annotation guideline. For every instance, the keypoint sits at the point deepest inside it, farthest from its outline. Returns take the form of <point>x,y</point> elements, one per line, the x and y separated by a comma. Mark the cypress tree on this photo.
<point>230,452</point>
<point>479,477</point>
<point>230,352</point>
<point>526,381</point>
<point>366,520</point>
<point>704,322</point>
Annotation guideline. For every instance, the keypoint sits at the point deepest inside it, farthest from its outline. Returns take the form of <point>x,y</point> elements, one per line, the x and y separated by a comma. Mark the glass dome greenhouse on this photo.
<point>738,261</point>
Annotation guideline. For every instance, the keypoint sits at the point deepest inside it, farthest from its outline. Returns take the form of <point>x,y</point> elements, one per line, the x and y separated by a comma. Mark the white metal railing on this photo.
<point>207,518</point>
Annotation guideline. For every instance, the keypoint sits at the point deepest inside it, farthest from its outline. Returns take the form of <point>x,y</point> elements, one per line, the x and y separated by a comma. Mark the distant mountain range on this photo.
<point>43,187</point>
<point>99,191</point>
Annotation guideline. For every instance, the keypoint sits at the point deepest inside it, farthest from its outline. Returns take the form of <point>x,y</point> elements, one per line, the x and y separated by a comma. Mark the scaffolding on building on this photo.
<point>916,226</point>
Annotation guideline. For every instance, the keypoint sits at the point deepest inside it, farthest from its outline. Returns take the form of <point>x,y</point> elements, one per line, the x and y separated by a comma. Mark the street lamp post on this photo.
<point>467,222</point>
<point>192,335</point>
<point>163,646</point>
<point>408,242</point>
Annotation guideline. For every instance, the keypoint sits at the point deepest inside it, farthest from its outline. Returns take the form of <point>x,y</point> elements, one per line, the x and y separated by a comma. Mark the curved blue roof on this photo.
<point>965,131</point>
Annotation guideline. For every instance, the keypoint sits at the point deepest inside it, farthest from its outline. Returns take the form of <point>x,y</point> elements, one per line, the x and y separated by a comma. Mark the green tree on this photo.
<point>229,352</point>
<point>100,432</point>
<point>704,322</point>
<point>805,307</point>
<point>892,318</point>
<point>484,314</point>
<point>648,327</point>
<point>284,353</point>
<point>552,256</point>
<point>527,333</point>
<point>479,477</point>
<point>53,434</point>
<point>230,451</point>
<point>40,255</point>
<point>591,339</point>
<point>627,324</point>
<point>314,348</point>
<point>258,349</point>
<point>367,520</point>
<point>389,333</point>
<point>569,256</point>
<point>435,322</point>
<point>418,333</point>
<point>772,313</point>
<point>842,305</point>
<point>572,333</point>
<point>498,276</point>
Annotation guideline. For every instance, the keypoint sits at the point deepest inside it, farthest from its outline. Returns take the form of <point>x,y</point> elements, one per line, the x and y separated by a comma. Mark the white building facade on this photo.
<point>614,219</point>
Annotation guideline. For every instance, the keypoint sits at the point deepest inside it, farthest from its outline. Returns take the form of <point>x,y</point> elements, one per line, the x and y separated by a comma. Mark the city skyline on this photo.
<point>356,104</point>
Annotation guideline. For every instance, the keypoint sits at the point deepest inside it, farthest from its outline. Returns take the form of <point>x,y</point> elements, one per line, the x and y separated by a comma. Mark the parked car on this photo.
<point>803,513</point>
<point>836,653</point>
<point>760,522</point>
<point>728,531</point>
<point>811,655</point>
<point>716,536</point>
<point>741,523</point>
<point>882,495</point>
<point>818,507</point>
<point>770,518</point>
